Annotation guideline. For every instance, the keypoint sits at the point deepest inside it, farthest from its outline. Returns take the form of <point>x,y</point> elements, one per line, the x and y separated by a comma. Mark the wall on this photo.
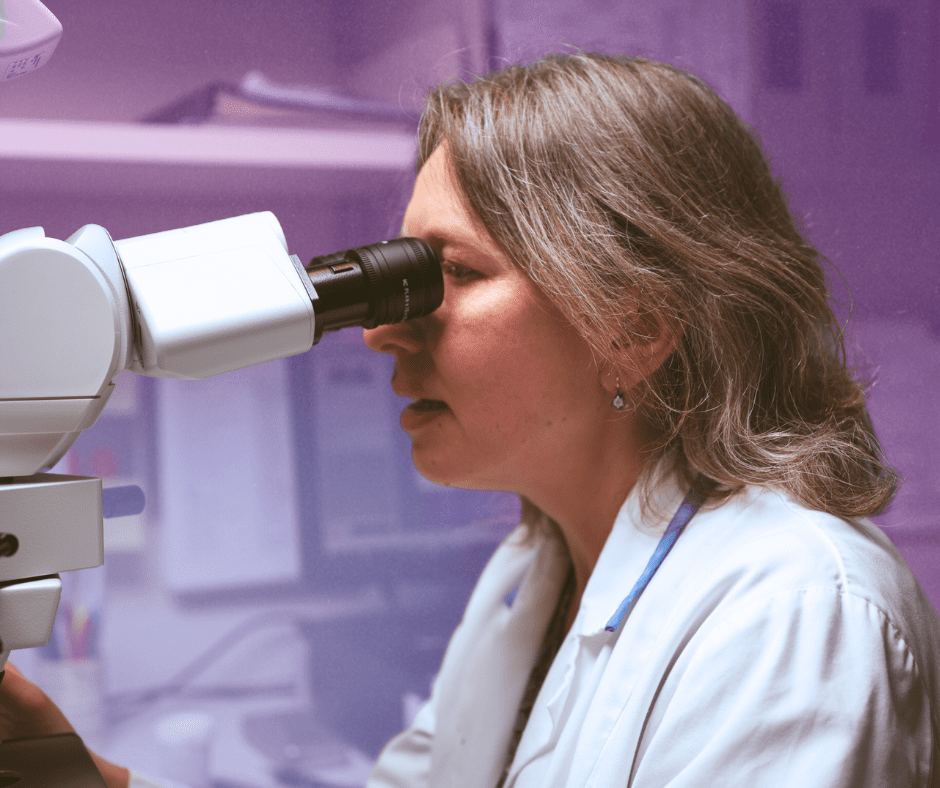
<point>843,94</point>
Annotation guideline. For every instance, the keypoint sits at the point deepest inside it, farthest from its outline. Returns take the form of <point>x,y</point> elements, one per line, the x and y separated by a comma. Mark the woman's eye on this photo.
<point>455,271</point>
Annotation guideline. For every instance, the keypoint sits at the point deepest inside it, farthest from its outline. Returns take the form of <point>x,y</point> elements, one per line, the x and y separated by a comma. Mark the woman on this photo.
<point>637,340</point>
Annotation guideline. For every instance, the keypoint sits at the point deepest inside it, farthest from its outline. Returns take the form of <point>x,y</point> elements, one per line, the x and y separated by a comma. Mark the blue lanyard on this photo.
<point>697,495</point>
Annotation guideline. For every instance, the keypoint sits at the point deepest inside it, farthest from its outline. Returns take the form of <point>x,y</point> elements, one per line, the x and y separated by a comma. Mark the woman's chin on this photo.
<point>435,472</point>
<point>446,471</point>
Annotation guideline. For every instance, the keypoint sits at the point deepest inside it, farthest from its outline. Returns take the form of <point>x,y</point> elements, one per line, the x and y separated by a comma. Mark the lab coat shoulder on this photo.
<point>775,549</point>
<point>798,650</point>
<point>775,646</point>
<point>807,688</point>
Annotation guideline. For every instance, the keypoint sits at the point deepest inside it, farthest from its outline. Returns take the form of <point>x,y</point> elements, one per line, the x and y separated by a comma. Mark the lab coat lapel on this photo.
<point>487,666</point>
<point>626,552</point>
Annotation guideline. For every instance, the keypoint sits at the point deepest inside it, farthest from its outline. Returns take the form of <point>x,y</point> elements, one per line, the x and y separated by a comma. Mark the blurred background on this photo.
<point>292,582</point>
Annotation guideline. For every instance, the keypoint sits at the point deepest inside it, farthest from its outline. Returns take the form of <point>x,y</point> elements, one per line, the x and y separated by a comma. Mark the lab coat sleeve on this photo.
<point>811,688</point>
<point>405,761</point>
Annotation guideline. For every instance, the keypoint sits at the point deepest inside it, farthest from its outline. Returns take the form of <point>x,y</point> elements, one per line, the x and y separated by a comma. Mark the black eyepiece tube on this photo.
<point>369,286</point>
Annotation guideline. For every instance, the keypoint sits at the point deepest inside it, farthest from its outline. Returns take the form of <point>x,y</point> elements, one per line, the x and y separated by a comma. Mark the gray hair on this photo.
<point>637,200</point>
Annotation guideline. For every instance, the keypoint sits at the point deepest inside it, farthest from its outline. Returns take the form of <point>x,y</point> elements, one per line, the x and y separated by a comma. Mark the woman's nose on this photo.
<point>397,337</point>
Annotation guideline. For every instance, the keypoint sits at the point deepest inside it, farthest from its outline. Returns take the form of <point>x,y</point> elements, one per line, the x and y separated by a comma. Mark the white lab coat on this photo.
<point>775,646</point>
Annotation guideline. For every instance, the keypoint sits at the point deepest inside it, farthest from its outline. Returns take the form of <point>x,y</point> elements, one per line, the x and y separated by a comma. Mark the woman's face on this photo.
<point>505,392</point>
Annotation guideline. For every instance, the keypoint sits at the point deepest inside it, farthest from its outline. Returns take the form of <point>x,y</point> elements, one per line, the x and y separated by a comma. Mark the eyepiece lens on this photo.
<point>373,285</point>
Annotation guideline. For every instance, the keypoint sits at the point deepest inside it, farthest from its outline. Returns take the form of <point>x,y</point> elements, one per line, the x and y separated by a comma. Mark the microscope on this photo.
<point>185,303</point>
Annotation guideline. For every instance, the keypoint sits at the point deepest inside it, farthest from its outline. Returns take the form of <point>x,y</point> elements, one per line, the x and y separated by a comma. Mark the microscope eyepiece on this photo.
<point>373,285</point>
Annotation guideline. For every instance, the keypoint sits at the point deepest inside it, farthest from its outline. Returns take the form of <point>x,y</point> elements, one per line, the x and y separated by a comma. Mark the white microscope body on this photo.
<point>188,303</point>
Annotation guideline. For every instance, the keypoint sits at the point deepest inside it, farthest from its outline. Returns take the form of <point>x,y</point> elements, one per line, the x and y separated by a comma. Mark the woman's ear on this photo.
<point>643,354</point>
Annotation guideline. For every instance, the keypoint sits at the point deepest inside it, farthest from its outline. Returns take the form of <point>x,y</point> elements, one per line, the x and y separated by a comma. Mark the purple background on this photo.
<point>843,95</point>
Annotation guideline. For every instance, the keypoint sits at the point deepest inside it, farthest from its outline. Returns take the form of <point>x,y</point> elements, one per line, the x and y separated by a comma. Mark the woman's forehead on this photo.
<point>439,211</point>
<point>437,198</point>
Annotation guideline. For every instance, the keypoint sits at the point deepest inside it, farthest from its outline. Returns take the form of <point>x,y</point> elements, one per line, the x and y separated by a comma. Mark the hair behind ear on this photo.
<point>635,198</point>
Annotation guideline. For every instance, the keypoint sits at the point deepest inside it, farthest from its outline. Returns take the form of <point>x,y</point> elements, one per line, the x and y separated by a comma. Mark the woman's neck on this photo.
<point>585,507</point>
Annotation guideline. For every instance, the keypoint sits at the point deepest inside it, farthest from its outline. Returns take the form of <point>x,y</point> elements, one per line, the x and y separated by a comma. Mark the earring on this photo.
<point>619,402</point>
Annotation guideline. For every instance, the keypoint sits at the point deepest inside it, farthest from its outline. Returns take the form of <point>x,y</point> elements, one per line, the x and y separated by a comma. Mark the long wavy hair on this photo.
<point>637,200</point>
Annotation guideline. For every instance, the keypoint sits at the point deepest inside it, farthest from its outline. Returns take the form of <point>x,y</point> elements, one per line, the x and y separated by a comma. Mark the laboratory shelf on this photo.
<point>70,156</point>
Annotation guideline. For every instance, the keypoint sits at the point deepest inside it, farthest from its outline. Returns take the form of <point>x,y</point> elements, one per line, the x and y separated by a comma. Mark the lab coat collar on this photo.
<point>471,739</point>
<point>632,540</point>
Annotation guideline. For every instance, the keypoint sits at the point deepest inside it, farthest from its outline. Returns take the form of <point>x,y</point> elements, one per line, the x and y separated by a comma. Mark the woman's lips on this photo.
<point>427,404</point>
<point>421,412</point>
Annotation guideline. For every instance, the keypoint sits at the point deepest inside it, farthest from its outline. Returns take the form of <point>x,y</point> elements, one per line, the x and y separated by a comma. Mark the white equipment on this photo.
<point>29,34</point>
<point>186,303</point>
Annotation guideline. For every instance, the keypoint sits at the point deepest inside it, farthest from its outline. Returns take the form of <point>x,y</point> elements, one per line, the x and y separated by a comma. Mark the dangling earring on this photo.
<point>619,402</point>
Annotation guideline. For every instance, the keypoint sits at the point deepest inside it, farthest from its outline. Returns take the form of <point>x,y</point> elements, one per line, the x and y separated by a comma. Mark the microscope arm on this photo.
<point>188,303</point>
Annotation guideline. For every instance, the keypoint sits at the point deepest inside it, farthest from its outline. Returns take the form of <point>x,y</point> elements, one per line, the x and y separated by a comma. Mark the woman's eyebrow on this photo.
<point>463,240</point>
<point>460,241</point>
<point>441,237</point>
